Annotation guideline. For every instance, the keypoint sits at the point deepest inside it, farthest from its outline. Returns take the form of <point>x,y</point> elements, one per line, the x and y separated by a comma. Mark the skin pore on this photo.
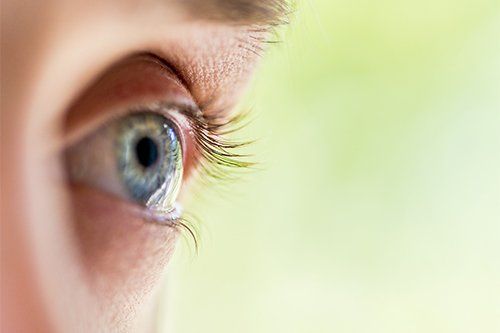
<point>73,257</point>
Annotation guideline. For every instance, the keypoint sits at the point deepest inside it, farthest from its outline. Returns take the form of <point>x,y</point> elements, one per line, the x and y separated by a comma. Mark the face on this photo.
<point>110,109</point>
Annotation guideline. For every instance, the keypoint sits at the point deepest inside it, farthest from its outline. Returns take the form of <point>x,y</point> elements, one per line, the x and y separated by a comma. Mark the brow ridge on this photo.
<point>244,12</point>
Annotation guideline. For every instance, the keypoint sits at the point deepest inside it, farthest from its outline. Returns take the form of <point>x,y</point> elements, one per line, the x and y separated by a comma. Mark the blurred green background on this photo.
<point>378,206</point>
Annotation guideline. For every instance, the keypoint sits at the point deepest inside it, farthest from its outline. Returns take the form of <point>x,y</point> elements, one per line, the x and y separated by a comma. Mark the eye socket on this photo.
<point>137,157</point>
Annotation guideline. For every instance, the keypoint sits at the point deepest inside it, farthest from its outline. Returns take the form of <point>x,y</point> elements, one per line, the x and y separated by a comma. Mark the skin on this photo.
<point>73,258</point>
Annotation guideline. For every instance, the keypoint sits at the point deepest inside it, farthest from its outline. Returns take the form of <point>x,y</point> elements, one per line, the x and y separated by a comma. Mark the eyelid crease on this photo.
<point>119,90</point>
<point>176,74</point>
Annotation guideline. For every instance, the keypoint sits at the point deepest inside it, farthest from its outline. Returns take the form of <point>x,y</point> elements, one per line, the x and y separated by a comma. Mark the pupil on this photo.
<point>146,151</point>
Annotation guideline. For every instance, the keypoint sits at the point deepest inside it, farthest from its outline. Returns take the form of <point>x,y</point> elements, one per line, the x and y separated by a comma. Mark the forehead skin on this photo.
<point>52,50</point>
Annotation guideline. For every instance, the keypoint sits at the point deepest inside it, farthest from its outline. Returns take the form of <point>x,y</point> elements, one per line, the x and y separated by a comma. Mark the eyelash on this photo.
<point>217,159</point>
<point>217,154</point>
<point>211,155</point>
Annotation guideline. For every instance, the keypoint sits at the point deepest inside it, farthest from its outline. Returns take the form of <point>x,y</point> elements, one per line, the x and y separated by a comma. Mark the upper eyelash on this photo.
<point>217,154</point>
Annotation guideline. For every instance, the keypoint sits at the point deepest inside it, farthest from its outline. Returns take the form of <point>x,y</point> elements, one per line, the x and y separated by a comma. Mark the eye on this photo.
<point>130,136</point>
<point>137,135</point>
<point>137,157</point>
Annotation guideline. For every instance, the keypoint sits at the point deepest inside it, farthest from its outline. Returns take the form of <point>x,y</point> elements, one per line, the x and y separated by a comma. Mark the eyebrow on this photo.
<point>242,12</point>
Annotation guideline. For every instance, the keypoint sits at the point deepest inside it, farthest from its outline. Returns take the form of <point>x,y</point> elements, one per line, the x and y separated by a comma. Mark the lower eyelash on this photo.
<point>178,220</point>
<point>189,223</point>
<point>217,159</point>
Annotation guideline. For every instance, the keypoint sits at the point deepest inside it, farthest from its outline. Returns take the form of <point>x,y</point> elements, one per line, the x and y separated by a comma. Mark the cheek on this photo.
<point>124,256</point>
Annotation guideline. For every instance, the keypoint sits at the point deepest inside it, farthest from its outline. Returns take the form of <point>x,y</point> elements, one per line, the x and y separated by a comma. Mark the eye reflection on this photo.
<point>137,157</point>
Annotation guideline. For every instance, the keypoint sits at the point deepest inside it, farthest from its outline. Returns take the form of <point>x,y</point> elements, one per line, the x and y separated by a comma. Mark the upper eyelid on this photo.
<point>164,108</point>
<point>166,79</point>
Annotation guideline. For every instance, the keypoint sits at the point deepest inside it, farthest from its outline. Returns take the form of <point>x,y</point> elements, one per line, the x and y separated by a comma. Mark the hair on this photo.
<point>246,12</point>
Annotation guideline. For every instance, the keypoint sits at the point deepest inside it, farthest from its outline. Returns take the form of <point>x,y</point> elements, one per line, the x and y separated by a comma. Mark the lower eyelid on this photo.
<point>117,242</point>
<point>136,212</point>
